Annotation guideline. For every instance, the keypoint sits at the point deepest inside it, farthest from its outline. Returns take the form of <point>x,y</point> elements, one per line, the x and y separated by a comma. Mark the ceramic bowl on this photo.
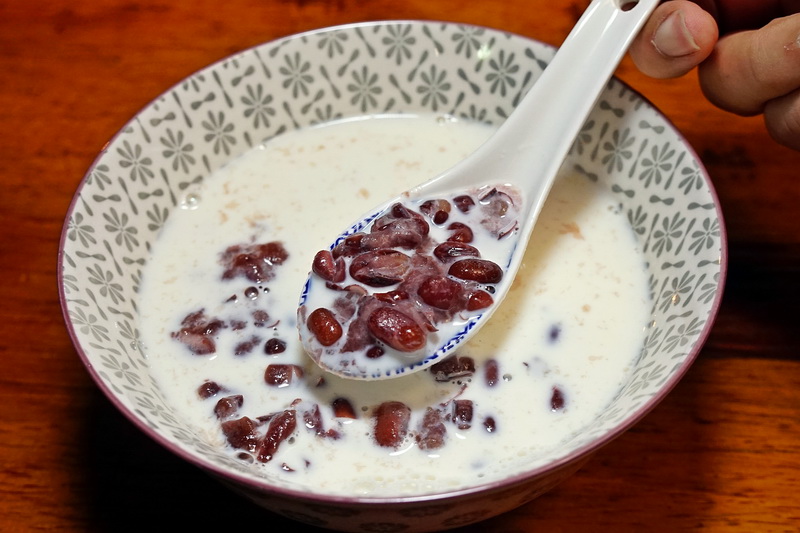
<point>469,72</point>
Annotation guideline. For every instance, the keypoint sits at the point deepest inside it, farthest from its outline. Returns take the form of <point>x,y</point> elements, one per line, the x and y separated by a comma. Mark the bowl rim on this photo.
<point>262,485</point>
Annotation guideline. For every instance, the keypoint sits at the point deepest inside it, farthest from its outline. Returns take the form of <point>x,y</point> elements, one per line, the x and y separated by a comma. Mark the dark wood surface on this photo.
<point>721,453</point>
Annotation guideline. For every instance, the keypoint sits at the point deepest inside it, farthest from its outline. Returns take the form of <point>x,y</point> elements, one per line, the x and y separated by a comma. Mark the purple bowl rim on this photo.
<point>266,488</point>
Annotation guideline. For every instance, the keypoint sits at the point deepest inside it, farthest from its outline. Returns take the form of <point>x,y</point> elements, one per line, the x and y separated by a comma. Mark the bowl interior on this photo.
<point>470,72</point>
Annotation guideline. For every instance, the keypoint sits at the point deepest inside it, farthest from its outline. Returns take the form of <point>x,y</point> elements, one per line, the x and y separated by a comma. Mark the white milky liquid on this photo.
<point>574,319</point>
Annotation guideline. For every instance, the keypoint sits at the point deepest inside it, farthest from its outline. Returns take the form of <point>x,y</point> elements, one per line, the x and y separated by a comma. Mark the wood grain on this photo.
<point>721,453</point>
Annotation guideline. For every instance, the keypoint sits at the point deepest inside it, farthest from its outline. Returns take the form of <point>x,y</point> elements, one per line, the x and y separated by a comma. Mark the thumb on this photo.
<point>677,37</point>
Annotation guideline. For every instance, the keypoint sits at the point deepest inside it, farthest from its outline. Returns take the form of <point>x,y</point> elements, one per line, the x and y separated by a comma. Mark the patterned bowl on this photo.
<point>215,115</point>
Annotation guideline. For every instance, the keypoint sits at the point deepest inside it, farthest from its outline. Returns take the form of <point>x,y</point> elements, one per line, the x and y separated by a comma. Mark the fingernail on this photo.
<point>672,38</point>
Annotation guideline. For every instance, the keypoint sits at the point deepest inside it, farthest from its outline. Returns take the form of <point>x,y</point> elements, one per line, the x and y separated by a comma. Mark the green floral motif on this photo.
<point>435,88</point>
<point>691,178</point>
<point>637,219</point>
<point>120,369</point>
<point>684,334</point>
<point>128,332</point>
<point>365,88</point>
<point>682,287</point>
<point>475,114</point>
<point>220,133</point>
<point>333,43</point>
<point>155,407</point>
<point>655,168</point>
<point>178,150</point>
<point>619,150</point>
<point>651,342</point>
<point>133,158</point>
<point>399,43</point>
<point>706,237</point>
<point>99,176</point>
<point>78,231</point>
<point>89,324</point>
<point>325,113</point>
<point>709,291</point>
<point>119,224</point>
<point>157,216</point>
<point>647,377</point>
<point>501,76</point>
<point>257,104</point>
<point>297,74</point>
<point>671,230</point>
<point>468,40</point>
<point>105,280</point>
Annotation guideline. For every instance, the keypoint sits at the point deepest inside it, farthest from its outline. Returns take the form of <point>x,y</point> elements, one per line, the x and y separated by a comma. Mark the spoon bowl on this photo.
<point>522,158</point>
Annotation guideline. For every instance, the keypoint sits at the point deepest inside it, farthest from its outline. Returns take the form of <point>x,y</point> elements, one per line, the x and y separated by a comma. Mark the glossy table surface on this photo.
<point>721,453</point>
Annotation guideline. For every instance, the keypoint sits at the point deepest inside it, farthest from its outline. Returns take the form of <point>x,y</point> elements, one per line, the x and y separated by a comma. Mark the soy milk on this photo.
<point>572,323</point>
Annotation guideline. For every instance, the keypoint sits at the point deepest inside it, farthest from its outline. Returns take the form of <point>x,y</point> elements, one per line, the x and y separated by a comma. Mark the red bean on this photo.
<point>491,373</point>
<point>282,375</point>
<point>373,352</point>
<point>209,389</point>
<point>342,408</point>
<point>241,433</point>
<point>245,347</point>
<point>462,413</point>
<point>453,367</point>
<point>479,270</point>
<point>460,232</point>
<point>449,250</point>
<point>391,423</point>
<point>464,203</point>
<point>403,233</point>
<point>396,329</point>
<point>323,325</point>
<point>479,300</point>
<point>312,419</point>
<point>437,210</point>
<point>557,400</point>
<point>260,318</point>
<point>391,296</point>
<point>255,262</point>
<point>226,407</point>
<point>349,246</point>
<point>274,346</point>
<point>198,332</point>
<point>432,432</point>
<point>280,428</point>
<point>440,292</point>
<point>328,268</point>
<point>380,268</point>
<point>398,213</point>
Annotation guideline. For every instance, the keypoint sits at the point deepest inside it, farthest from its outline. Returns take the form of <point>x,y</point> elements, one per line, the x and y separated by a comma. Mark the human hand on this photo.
<point>747,53</point>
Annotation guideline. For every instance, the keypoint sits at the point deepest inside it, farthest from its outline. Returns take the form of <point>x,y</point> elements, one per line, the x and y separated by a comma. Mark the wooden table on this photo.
<point>721,453</point>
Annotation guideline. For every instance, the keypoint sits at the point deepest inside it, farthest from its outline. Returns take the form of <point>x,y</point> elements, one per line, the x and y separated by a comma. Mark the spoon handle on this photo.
<point>533,142</point>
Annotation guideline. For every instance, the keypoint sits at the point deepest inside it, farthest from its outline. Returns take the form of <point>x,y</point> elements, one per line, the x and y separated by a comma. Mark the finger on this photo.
<point>748,69</point>
<point>677,37</point>
<point>782,116</point>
